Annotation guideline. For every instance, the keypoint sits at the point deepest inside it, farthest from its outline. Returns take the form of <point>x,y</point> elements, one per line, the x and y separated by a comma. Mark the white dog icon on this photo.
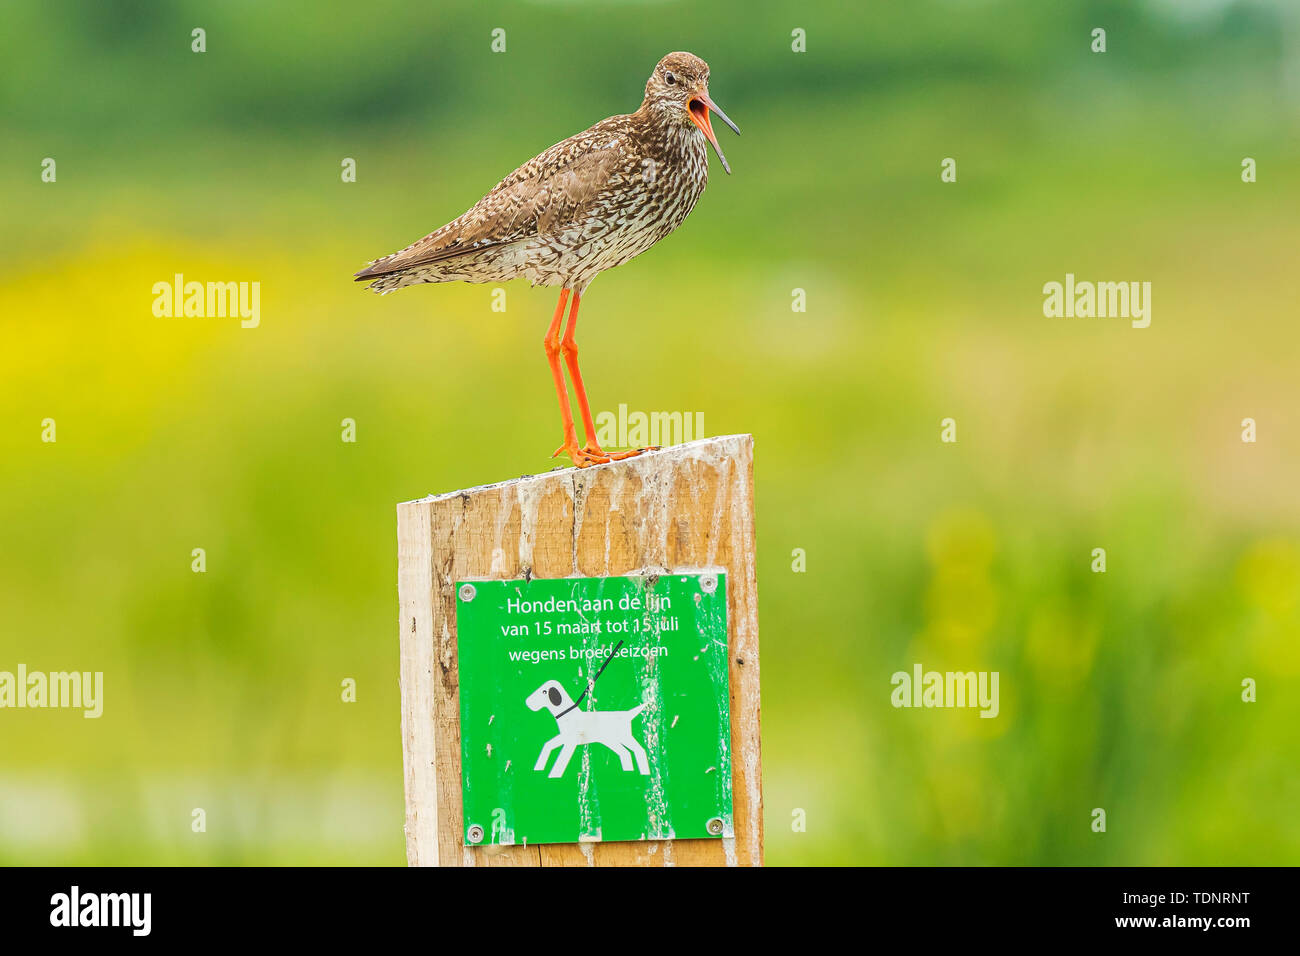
<point>613,728</point>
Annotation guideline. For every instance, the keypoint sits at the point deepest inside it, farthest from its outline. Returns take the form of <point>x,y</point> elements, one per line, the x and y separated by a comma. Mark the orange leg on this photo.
<point>570,349</point>
<point>551,344</point>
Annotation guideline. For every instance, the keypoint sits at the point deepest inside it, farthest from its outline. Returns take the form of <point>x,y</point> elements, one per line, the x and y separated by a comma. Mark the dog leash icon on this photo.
<point>591,683</point>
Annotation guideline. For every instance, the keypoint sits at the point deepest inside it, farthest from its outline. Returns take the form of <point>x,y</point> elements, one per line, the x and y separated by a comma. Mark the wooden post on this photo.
<point>686,507</point>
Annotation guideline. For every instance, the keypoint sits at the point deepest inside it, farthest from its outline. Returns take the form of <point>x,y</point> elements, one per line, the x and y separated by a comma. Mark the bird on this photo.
<point>589,203</point>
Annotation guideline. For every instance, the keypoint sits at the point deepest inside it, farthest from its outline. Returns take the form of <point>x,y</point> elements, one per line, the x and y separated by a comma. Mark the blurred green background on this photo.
<point>222,690</point>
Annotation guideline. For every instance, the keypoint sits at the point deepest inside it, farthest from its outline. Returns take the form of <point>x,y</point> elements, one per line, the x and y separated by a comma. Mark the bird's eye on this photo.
<point>670,78</point>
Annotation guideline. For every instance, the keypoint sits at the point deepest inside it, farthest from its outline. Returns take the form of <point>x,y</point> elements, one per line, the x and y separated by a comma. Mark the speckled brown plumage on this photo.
<point>587,204</point>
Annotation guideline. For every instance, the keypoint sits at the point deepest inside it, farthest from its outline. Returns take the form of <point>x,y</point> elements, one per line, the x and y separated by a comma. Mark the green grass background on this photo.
<point>1118,690</point>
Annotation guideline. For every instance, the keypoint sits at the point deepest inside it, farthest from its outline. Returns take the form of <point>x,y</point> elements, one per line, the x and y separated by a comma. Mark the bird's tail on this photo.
<point>468,267</point>
<point>392,281</point>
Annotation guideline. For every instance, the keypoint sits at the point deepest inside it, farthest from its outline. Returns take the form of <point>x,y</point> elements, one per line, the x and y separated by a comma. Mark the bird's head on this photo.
<point>678,93</point>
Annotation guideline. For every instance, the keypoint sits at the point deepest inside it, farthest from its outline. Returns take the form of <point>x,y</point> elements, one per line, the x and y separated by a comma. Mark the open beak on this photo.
<point>700,107</point>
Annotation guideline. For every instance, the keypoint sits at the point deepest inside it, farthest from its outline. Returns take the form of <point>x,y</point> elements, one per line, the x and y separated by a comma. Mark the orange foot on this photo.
<point>582,457</point>
<point>594,449</point>
<point>592,454</point>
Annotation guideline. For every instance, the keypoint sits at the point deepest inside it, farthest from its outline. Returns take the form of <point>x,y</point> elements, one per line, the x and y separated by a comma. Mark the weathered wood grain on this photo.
<point>684,508</point>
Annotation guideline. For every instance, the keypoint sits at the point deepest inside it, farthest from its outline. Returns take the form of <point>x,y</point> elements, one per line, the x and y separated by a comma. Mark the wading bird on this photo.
<point>587,204</point>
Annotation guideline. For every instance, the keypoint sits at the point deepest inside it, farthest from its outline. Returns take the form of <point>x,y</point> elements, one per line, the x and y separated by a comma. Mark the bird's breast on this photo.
<point>647,199</point>
<point>656,199</point>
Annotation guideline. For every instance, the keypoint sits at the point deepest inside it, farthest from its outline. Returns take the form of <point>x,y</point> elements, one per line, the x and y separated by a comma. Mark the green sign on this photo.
<point>594,708</point>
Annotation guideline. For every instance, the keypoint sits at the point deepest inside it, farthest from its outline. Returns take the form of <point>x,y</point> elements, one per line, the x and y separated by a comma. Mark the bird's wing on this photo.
<point>538,199</point>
